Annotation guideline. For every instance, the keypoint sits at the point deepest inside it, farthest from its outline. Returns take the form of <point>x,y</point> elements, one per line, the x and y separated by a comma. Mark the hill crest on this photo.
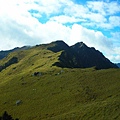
<point>80,56</point>
<point>75,56</point>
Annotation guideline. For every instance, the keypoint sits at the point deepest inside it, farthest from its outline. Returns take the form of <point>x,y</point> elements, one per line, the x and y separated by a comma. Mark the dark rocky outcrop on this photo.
<point>58,46</point>
<point>67,58</point>
<point>90,57</point>
<point>80,56</point>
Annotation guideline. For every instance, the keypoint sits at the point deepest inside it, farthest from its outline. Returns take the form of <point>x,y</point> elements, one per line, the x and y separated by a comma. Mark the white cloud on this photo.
<point>20,23</point>
<point>116,35</point>
<point>117,50</point>
<point>97,6</point>
<point>114,58</point>
<point>95,17</point>
<point>52,31</point>
<point>7,44</point>
<point>101,14</point>
<point>66,19</point>
<point>104,8</point>
<point>48,7</point>
<point>76,10</point>
<point>112,8</point>
<point>114,21</point>
<point>91,38</point>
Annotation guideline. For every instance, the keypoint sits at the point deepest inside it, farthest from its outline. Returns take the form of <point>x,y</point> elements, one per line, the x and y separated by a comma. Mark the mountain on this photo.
<point>80,56</point>
<point>76,56</point>
<point>6,52</point>
<point>90,57</point>
<point>33,86</point>
<point>67,57</point>
<point>118,64</point>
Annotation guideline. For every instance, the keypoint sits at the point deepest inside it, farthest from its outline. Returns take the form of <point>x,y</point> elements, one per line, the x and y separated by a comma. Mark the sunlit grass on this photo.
<point>72,94</point>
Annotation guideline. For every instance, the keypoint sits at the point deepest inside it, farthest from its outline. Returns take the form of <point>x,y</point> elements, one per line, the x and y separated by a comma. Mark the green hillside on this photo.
<point>56,93</point>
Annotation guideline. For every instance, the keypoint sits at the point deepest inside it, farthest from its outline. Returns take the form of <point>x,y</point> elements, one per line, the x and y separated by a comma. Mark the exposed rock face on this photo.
<point>90,57</point>
<point>80,56</point>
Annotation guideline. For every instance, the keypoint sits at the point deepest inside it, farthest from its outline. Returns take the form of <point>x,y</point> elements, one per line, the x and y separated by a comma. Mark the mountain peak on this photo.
<point>58,42</point>
<point>79,45</point>
<point>57,46</point>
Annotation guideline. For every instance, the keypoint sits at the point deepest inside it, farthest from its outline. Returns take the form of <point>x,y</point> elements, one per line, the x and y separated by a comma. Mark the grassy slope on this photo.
<point>74,94</point>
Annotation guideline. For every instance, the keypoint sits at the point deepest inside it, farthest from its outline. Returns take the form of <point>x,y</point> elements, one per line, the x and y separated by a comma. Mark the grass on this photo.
<point>58,94</point>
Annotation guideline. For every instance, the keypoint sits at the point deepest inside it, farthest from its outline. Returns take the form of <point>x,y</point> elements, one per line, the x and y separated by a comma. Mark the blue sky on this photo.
<point>31,22</point>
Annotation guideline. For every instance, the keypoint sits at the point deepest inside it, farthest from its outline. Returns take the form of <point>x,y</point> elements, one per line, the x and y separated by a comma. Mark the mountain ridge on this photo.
<point>81,56</point>
<point>4,53</point>
<point>78,55</point>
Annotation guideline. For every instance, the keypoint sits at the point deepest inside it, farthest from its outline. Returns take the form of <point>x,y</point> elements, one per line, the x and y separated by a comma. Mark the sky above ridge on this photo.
<point>31,22</point>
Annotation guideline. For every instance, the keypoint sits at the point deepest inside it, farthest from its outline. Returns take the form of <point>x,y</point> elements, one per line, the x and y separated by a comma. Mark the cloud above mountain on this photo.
<point>31,22</point>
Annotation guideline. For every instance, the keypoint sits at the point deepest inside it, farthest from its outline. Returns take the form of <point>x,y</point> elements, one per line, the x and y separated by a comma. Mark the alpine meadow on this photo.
<point>59,82</point>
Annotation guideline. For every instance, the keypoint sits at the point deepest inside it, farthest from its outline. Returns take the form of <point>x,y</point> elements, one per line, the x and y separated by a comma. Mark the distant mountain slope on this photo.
<point>37,57</point>
<point>118,64</point>
<point>6,52</point>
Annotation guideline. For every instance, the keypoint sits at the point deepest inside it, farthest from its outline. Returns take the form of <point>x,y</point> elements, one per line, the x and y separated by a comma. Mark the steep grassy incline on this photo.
<point>78,94</point>
<point>29,60</point>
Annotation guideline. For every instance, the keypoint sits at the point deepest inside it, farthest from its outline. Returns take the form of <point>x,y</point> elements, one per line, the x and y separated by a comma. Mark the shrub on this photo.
<point>6,116</point>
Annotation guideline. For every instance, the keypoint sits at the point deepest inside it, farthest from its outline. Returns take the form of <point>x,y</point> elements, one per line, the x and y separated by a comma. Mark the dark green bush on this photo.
<point>6,116</point>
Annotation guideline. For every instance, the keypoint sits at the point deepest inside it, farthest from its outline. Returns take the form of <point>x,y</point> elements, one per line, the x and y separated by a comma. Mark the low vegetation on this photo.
<point>6,116</point>
<point>34,89</point>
